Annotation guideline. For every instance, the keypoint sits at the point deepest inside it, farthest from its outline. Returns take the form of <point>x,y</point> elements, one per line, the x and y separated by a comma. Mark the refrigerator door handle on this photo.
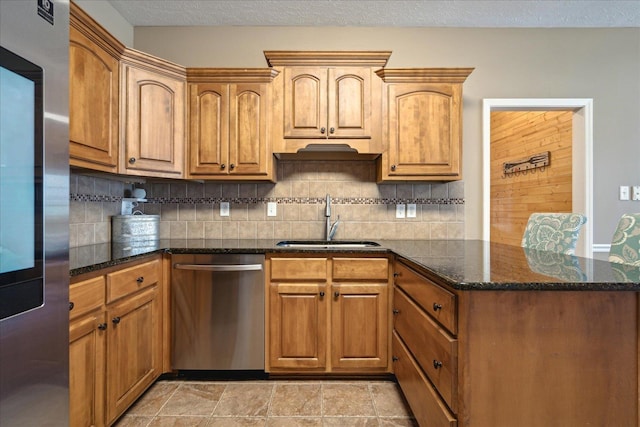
<point>218,267</point>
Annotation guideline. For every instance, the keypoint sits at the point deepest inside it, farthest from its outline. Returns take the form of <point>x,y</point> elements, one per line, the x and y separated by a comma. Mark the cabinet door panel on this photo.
<point>359,326</point>
<point>93,105</point>
<point>209,128</point>
<point>349,102</point>
<point>135,349</point>
<point>154,133</point>
<point>424,130</point>
<point>248,148</point>
<point>86,371</point>
<point>305,102</point>
<point>298,316</point>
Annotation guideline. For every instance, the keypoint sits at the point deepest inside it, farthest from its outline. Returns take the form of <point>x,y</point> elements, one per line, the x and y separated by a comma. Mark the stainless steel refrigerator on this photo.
<point>34,213</point>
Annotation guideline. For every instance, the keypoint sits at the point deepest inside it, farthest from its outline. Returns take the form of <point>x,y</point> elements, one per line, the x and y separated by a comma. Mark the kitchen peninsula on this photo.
<point>486,334</point>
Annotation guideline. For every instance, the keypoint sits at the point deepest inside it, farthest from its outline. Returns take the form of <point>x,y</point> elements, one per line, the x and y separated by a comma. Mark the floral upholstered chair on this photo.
<point>555,232</point>
<point>625,245</point>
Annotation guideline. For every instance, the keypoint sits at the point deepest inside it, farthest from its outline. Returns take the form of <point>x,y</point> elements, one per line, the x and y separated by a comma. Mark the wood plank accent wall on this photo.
<point>520,134</point>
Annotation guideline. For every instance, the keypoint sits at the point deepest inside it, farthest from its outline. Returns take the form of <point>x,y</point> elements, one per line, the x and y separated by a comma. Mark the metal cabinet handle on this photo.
<point>115,320</point>
<point>132,160</point>
<point>437,306</point>
<point>437,364</point>
<point>140,279</point>
<point>71,305</point>
<point>102,326</point>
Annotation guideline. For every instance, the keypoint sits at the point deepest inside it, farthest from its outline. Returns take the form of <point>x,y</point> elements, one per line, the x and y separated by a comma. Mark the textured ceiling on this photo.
<point>381,13</point>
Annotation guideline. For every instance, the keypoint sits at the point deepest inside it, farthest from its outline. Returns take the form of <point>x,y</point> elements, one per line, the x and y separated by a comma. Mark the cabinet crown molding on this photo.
<point>327,58</point>
<point>424,75</point>
<point>231,75</point>
<point>95,32</point>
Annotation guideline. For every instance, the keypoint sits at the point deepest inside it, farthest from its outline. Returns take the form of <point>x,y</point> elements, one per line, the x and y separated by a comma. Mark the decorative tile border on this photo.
<point>279,200</point>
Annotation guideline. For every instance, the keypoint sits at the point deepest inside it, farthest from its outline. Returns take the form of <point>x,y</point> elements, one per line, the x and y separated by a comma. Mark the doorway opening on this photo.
<point>582,157</point>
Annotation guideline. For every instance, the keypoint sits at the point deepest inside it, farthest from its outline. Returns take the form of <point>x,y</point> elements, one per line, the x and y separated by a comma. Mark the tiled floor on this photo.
<point>270,403</point>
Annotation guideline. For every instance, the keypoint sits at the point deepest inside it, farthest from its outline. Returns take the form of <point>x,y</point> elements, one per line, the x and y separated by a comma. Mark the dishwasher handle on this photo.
<point>218,267</point>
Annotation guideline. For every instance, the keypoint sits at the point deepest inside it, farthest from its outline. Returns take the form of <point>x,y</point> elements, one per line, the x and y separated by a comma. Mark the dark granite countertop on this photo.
<point>460,264</point>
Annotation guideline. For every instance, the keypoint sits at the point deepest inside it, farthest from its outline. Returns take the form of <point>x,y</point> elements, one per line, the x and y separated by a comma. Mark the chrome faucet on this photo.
<point>330,229</point>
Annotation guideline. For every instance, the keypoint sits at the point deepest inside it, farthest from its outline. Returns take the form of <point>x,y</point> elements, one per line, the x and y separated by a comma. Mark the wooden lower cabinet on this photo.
<point>328,315</point>
<point>115,345</point>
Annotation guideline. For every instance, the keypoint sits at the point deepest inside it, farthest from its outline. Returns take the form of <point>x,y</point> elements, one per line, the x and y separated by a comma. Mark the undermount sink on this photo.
<point>326,244</point>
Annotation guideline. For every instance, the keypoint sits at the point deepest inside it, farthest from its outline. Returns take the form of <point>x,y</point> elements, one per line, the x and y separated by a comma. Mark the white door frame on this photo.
<point>582,157</point>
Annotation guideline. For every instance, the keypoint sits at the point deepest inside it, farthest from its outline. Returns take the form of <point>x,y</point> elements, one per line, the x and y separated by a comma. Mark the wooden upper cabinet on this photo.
<point>228,124</point>
<point>423,124</point>
<point>327,98</point>
<point>154,115</point>
<point>93,94</point>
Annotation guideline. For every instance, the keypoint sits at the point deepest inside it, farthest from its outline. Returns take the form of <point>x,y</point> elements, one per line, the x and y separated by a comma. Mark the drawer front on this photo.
<point>86,296</point>
<point>424,401</point>
<point>434,349</point>
<point>438,302</point>
<point>360,268</point>
<point>129,280</point>
<point>299,269</point>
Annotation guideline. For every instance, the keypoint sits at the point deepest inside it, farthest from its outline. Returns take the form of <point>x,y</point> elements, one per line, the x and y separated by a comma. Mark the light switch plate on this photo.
<point>635,194</point>
<point>411,210</point>
<point>224,208</point>
<point>400,209</point>
<point>272,208</point>
<point>624,192</point>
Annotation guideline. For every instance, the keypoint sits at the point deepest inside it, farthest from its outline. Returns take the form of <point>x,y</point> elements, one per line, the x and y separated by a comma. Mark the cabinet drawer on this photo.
<point>360,268</point>
<point>438,302</point>
<point>86,296</point>
<point>434,349</point>
<point>424,401</point>
<point>298,269</point>
<point>132,279</point>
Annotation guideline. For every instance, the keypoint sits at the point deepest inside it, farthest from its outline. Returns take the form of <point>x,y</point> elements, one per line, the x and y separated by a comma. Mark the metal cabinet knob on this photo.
<point>140,279</point>
<point>396,274</point>
<point>395,358</point>
<point>332,130</point>
<point>232,166</point>
<point>115,320</point>
<point>396,311</point>
<point>437,364</point>
<point>102,326</point>
<point>222,166</point>
<point>322,130</point>
<point>393,167</point>
<point>321,294</point>
<point>336,294</point>
<point>132,160</point>
<point>437,306</point>
<point>71,305</point>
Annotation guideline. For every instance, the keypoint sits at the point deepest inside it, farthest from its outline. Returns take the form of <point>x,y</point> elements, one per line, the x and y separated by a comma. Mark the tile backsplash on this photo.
<point>191,209</point>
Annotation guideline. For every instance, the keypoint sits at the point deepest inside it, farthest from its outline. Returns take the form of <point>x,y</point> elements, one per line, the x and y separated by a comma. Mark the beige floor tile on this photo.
<point>237,422</point>
<point>133,421</point>
<point>245,399</point>
<point>350,422</point>
<point>398,422</point>
<point>347,399</point>
<point>296,400</point>
<point>194,398</point>
<point>152,401</point>
<point>294,422</point>
<point>388,400</point>
<point>184,421</point>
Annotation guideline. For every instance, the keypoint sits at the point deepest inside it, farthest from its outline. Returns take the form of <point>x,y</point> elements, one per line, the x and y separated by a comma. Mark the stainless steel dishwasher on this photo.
<point>217,306</point>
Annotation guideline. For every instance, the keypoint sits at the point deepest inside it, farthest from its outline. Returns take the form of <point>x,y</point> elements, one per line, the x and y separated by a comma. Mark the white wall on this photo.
<point>603,64</point>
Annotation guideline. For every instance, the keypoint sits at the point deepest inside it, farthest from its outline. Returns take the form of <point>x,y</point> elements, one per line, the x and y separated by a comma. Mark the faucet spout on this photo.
<point>330,230</point>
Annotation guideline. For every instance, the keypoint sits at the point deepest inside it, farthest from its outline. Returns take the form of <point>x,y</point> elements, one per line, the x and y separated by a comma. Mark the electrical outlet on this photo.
<point>411,210</point>
<point>400,209</point>
<point>635,195</point>
<point>272,208</point>
<point>224,208</point>
<point>624,192</point>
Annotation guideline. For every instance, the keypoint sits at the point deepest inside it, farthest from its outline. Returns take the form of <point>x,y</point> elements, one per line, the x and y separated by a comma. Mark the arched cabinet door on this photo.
<point>93,99</point>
